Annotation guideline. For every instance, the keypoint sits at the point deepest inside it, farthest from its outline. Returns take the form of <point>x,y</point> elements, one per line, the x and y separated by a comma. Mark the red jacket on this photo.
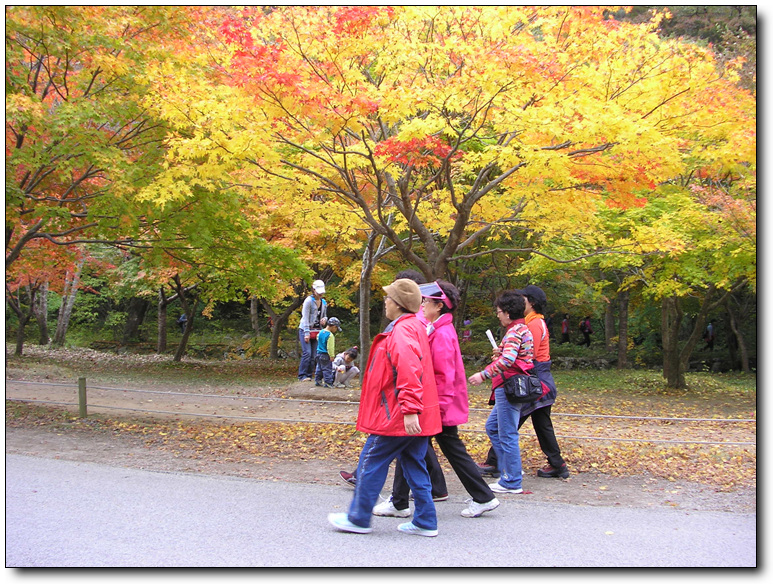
<point>398,380</point>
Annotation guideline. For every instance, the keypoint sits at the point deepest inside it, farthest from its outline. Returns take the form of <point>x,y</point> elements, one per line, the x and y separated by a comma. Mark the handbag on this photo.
<point>521,389</point>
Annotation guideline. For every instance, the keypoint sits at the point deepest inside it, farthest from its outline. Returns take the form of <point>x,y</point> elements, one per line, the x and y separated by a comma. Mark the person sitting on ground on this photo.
<point>344,367</point>
<point>326,344</point>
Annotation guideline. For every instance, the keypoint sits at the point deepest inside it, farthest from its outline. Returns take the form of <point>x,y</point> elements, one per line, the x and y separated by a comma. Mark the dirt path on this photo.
<point>225,393</point>
<point>129,451</point>
<point>580,489</point>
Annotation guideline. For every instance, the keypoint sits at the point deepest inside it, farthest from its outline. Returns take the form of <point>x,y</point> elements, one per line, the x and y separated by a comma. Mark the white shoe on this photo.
<point>341,522</point>
<point>411,529</point>
<point>387,509</point>
<point>497,488</point>
<point>477,509</point>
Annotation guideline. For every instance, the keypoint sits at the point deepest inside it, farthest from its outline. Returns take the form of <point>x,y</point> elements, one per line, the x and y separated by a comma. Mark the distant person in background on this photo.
<point>586,330</point>
<point>708,336</point>
<point>326,345</point>
<point>565,329</point>
<point>182,321</point>
<point>313,319</point>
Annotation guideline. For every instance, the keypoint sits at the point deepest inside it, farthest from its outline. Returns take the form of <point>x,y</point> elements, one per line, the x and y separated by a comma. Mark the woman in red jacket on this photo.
<point>399,410</point>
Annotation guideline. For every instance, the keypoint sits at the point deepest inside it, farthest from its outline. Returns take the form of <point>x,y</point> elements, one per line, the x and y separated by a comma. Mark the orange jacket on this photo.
<point>399,379</point>
<point>539,331</point>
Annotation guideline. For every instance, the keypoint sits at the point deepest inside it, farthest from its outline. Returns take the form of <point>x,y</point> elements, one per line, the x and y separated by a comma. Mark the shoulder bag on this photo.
<point>522,388</point>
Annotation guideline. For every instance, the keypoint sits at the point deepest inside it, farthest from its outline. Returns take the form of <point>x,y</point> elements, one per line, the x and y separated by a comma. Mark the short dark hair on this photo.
<point>353,352</point>
<point>511,303</point>
<point>535,304</point>
<point>417,277</point>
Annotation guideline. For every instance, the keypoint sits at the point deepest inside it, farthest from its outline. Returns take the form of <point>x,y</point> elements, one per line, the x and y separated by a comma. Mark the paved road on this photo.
<point>73,514</point>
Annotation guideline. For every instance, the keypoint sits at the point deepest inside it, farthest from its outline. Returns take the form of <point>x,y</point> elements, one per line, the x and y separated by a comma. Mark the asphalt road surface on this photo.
<point>73,514</point>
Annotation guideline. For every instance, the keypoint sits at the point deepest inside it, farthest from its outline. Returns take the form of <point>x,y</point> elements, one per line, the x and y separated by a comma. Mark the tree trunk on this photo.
<point>134,318</point>
<point>707,306</point>
<point>162,310</point>
<point>463,286</point>
<point>280,319</point>
<point>190,312</point>
<point>622,338</point>
<point>671,320</point>
<point>368,263</point>
<point>676,361</point>
<point>254,302</point>
<point>24,318</point>
<point>178,355</point>
<point>68,301</point>
<point>738,337</point>
<point>609,326</point>
<point>41,314</point>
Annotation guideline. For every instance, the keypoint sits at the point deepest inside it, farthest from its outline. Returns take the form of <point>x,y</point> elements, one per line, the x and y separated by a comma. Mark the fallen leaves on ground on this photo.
<point>724,467</point>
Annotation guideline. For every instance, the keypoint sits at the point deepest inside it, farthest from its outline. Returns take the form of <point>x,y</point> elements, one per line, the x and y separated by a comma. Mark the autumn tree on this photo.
<point>79,143</point>
<point>439,126</point>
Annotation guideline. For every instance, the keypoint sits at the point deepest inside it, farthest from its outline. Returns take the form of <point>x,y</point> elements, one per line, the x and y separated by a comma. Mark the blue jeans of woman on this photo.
<point>308,354</point>
<point>502,430</point>
<point>372,471</point>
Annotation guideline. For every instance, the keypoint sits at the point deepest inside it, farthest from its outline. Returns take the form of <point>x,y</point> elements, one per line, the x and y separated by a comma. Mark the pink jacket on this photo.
<point>450,378</point>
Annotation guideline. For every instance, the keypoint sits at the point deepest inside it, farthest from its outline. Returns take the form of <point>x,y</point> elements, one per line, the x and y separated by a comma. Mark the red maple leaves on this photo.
<point>418,152</point>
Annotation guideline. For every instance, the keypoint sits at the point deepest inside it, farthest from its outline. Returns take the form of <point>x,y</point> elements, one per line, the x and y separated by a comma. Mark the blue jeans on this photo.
<point>324,370</point>
<point>308,352</point>
<point>502,430</point>
<point>372,470</point>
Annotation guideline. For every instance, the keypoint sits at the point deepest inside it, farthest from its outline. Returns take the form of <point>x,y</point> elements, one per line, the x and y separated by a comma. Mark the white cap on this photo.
<point>318,286</point>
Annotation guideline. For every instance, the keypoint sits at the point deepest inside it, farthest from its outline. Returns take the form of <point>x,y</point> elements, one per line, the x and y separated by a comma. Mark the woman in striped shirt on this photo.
<point>514,355</point>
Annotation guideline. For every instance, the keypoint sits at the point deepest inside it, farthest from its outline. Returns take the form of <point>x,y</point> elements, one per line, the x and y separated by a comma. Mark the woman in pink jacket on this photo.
<point>440,299</point>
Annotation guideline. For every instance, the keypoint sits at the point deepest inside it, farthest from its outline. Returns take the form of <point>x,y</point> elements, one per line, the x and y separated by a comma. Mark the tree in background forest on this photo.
<point>229,150</point>
<point>79,144</point>
<point>440,127</point>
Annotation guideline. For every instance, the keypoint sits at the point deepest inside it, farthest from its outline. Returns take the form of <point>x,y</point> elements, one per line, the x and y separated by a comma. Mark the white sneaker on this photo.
<point>387,509</point>
<point>411,529</point>
<point>497,488</point>
<point>477,509</point>
<point>341,522</point>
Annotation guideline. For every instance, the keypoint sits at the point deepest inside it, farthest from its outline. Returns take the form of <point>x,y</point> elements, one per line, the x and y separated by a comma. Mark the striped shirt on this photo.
<point>516,344</point>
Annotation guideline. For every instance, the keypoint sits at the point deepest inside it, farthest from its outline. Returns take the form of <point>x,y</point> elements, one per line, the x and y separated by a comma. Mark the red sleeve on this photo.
<point>406,358</point>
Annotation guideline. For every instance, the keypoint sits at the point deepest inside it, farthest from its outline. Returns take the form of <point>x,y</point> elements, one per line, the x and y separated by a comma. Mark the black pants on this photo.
<point>464,466</point>
<point>543,428</point>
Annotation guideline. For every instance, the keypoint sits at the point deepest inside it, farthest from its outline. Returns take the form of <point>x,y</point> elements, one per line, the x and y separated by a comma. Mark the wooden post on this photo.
<point>82,396</point>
